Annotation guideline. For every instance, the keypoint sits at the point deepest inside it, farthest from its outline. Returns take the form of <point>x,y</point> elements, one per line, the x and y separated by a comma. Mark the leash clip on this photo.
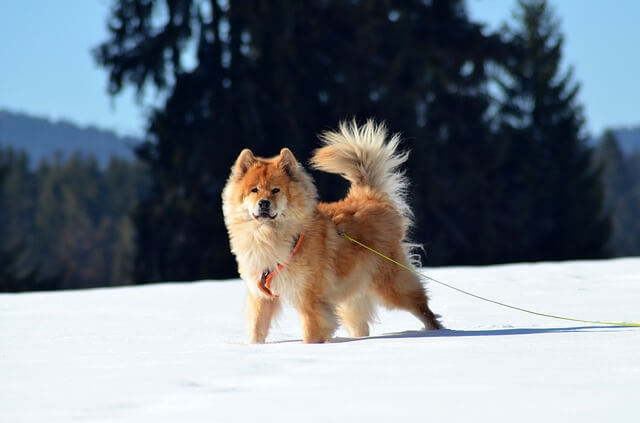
<point>264,284</point>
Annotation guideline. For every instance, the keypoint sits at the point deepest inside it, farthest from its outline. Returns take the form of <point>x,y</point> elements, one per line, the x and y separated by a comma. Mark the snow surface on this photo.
<point>177,353</point>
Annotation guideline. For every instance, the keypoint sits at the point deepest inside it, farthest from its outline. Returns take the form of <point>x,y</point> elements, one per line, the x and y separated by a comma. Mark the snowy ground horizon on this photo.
<point>178,353</point>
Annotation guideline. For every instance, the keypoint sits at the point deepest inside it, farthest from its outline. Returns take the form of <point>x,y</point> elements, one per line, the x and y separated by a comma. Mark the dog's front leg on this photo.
<point>319,320</point>
<point>260,312</point>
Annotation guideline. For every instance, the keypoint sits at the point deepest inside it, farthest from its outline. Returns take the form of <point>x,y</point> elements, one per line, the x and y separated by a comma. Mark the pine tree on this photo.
<point>555,207</point>
<point>17,270</point>
<point>276,72</point>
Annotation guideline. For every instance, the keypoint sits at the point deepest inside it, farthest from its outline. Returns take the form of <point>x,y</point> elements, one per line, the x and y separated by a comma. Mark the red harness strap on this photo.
<point>264,284</point>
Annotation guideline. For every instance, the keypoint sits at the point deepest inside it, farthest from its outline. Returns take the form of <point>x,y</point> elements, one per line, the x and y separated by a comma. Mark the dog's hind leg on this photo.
<point>402,289</point>
<point>260,313</point>
<point>356,313</point>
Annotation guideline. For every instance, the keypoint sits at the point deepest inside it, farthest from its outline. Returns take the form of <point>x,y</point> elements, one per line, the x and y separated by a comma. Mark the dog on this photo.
<point>289,247</point>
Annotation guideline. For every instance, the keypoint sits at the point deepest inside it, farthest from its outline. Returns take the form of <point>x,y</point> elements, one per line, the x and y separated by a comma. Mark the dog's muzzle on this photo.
<point>264,210</point>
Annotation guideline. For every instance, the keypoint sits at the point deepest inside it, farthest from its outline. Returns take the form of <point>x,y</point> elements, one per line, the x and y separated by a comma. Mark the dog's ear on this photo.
<point>287,161</point>
<point>243,162</point>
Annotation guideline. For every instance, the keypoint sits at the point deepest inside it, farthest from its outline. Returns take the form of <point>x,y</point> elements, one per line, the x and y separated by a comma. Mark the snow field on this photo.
<point>178,353</point>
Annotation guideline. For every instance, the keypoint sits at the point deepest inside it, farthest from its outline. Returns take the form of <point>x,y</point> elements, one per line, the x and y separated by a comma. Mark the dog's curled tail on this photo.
<point>367,158</point>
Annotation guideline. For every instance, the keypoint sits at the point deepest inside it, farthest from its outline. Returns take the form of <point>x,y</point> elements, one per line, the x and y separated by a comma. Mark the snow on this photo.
<point>177,353</point>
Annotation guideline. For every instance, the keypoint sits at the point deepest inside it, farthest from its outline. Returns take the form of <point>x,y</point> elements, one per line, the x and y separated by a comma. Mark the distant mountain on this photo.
<point>42,138</point>
<point>628,139</point>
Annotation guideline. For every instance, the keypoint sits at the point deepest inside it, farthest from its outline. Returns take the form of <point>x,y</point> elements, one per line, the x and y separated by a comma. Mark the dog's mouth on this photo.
<point>264,215</point>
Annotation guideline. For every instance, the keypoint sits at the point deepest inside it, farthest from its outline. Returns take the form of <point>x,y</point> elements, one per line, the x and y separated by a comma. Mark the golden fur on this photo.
<point>267,203</point>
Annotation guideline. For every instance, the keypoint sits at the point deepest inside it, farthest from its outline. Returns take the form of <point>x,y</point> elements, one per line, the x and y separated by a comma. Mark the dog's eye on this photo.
<point>275,190</point>
<point>254,190</point>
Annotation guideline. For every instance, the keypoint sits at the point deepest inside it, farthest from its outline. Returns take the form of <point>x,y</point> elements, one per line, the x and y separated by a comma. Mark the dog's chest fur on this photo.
<point>265,253</point>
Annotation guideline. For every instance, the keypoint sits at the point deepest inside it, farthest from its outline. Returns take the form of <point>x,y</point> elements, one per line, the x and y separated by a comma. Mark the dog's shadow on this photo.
<point>480,332</point>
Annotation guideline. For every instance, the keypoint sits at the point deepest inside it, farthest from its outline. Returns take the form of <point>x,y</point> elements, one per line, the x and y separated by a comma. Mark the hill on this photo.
<point>628,139</point>
<point>42,138</point>
<point>177,352</point>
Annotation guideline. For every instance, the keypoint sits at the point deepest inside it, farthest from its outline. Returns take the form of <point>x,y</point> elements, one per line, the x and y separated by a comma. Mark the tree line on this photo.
<point>66,223</point>
<point>500,164</point>
<point>621,176</point>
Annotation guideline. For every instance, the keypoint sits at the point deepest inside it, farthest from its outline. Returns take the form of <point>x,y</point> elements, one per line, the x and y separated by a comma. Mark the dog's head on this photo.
<point>268,191</point>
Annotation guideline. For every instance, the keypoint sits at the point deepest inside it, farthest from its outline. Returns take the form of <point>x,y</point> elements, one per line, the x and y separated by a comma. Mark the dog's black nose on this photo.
<point>264,204</point>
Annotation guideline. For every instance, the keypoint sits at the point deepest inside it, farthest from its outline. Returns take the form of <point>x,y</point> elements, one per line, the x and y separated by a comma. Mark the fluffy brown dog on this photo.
<point>271,209</point>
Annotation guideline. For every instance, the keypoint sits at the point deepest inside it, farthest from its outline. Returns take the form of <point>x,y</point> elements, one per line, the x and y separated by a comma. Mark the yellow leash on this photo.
<point>410,269</point>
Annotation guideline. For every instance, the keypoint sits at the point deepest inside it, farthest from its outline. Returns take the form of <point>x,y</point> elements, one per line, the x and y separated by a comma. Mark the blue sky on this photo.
<point>46,68</point>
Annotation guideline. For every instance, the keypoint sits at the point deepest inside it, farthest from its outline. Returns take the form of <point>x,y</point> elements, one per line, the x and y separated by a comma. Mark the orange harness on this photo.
<point>264,284</point>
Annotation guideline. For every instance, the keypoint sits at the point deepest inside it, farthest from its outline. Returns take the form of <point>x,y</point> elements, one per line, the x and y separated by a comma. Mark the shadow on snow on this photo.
<point>482,332</point>
<point>446,333</point>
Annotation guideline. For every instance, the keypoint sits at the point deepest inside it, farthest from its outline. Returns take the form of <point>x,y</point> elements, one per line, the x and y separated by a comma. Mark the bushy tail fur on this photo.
<point>364,156</point>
